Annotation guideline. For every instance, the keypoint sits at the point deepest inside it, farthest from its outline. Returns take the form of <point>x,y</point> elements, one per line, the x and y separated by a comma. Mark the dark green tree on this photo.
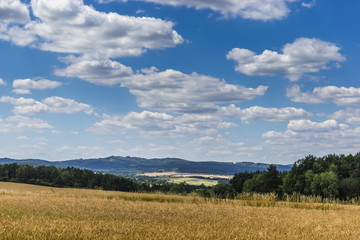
<point>273,179</point>
<point>239,179</point>
<point>224,190</point>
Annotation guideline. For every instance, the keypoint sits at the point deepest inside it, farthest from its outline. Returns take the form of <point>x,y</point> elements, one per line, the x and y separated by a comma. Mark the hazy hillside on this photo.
<point>134,165</point>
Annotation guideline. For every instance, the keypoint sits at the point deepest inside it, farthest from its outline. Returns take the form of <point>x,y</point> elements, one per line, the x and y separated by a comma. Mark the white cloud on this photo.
<point>65,105</point>
<point>350,115</point>
<point>304,55</point>
<point>140,11</point>
<point>20,123</point>
<point>22,138</point>
<point>103,71</point>
<point>188,124</point>
<point>249,9</point>
<point>50,104</point>
<point>174,91</point>
<point>161,123</point>
<point>310,4</point>
<point>21,91</point>
<point>310,126</point>
<point>205,139</point>
<point>341,96</point>
<point>147,121</point>
<point>265,114</point>
<point>23,86</point>
<point>168,91</point>
<point>303,130</point>
<point>70,26</point>
<point>195,123</point>
<point>2,82</point>
<point>14,11</point>
<point>39,84</point>
<point>308,137</point>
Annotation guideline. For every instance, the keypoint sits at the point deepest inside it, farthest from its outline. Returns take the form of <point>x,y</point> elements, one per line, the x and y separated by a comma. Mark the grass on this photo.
<point>33,212</point>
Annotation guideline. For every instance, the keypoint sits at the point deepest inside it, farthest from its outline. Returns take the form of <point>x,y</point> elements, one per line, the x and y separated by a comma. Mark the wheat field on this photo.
<point>34,212</point>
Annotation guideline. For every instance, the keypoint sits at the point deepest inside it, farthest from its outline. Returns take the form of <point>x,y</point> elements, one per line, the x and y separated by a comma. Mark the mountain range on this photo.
<point>134,165</point>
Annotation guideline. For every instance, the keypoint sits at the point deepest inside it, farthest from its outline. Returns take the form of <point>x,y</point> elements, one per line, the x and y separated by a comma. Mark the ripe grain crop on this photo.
<point>32,212</point>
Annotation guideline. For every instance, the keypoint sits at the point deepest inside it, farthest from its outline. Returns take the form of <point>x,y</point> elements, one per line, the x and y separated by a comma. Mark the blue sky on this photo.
<point>228,80</point>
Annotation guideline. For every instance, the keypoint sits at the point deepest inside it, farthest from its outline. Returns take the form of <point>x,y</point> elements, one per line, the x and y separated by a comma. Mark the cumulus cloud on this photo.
<point>21,91</point>
<point>174,91</point>
<point>23,86</point>
<point>319,138</point>
<point>2,82</point>
<point>304,55</point>
<point>310,126</point>
<point>101,71</point>
<point>265,114</point>
<point>350,115</point>
<point>197,123</point>
<point>249,9</point>
<point>21,123</point>
<point>193,123</point>
<point>147,121</point>
<point>163,123</point>
<point>70,26</point>
<point>14,11</point>
<point>341,96</point>
<point>169,90</point>
<point>303,130</point>
<point>50,104</point>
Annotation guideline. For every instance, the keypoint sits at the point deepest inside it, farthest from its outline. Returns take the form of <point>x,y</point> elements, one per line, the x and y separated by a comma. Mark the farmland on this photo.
<point>196,179</point>
<point>34,212</point>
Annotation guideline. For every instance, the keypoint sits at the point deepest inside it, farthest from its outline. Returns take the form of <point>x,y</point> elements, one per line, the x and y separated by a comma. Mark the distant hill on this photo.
<point>134,165</point>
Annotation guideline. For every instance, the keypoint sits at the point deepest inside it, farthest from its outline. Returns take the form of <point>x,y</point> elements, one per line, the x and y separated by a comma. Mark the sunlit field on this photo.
<point>194,181</point>
<point>33,212</point>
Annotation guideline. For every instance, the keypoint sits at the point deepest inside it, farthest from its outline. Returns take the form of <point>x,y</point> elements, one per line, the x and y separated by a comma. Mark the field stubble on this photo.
<point>28,212</point>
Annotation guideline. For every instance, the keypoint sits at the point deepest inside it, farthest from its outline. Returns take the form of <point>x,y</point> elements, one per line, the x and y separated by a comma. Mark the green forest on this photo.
<point>332,177</point>
<point>82,178</point>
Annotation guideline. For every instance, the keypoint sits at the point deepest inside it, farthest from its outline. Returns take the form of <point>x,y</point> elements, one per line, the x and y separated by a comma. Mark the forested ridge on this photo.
<point>332,176</point>
<point>131,166</point>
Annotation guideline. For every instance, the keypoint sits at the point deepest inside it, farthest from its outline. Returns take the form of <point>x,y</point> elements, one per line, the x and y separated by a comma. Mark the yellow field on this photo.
<point>32,212</point>
<point>181,175</point>
<point>194,181</point>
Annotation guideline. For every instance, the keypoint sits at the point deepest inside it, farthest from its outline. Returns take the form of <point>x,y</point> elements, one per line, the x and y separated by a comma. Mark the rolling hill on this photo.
<point>135,165</point>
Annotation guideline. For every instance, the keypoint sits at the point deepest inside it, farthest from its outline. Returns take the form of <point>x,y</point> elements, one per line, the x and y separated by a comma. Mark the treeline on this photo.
<point>331,176</point>
<point>81,178</point>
